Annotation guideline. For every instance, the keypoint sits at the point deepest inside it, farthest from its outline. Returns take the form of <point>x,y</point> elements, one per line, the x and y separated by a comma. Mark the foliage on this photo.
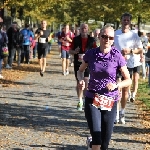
<point>74,11</point>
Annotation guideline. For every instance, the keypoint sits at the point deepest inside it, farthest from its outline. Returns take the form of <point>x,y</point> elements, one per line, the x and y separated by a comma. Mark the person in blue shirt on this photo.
<point>26,42</point>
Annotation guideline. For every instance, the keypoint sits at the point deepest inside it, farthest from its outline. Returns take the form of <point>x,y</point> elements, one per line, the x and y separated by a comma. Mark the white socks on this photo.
<point>122,110</point>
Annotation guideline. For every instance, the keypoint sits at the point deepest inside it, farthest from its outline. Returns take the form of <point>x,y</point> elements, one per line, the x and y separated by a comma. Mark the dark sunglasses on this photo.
<point>107,37</point>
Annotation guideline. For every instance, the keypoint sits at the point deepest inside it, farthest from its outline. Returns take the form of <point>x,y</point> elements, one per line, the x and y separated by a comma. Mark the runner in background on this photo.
<point>66,39</point>
<point>71,56</point>
<point>147,58</point>
<point>144,40</point>
<point>77,31</point>
<point>51,41</point>
<point>129,44</point>
<point>43,36</point>
<point>91,34</point>
<point>96,34</point>
<point>80,45</point>
<point>59,42</point>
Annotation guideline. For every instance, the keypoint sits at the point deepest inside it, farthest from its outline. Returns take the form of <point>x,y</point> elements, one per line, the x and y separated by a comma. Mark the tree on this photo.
<point>75,11</point>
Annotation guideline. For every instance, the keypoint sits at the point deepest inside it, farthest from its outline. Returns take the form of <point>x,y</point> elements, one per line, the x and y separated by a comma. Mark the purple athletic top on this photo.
<point>103,69</point>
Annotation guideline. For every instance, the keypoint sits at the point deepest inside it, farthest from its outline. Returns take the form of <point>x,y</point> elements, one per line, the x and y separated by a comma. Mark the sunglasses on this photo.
<point>107,37</point>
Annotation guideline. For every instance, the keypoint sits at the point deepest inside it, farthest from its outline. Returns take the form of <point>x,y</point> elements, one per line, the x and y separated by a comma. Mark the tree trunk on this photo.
<point>139,23</point>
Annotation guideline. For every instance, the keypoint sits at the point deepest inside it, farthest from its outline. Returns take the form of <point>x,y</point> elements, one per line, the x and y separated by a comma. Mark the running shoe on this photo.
<point>67,72</point>
<point>41,73</point>
<point>80,106</point>
<point>122,119</point>
<point>89,143</point>
<point>132,99</point>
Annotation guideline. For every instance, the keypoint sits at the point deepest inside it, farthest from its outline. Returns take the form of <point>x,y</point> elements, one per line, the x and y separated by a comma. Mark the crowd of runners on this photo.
<point>107,63</point>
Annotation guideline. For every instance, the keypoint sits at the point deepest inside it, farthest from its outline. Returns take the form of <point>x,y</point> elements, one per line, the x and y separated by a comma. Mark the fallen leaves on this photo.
<point>144,115</point>
<point>18,73</point>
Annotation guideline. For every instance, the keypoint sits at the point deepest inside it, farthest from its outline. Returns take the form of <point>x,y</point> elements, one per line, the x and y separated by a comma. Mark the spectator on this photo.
<point>3,41</point>
<point>13,42</point>
<point>26,33</point>
<point>36,41</point>
<point>5,59</point>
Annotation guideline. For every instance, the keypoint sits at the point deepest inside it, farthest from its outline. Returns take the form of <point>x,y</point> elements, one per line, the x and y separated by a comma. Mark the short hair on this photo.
<point>83,25</point>
<point>27,25</point>
<point>43,21</point>
<point>97,30</point>
<point>106,27</point>
<point>66,24</point>
<point>126,14</point>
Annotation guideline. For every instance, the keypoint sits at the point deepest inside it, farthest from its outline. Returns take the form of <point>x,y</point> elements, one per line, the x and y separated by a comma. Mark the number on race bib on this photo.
<point>103,102</point>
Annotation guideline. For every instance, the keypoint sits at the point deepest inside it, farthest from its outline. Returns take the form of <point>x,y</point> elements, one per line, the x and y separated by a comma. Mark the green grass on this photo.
<point>144,93</point>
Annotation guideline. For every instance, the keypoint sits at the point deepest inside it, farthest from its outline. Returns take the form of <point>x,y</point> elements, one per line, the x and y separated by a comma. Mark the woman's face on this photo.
<point>107,38</point>
<point>66,29</point>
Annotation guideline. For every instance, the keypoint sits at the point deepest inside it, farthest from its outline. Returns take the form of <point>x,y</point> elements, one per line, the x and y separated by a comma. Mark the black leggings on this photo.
<point>100,122</point>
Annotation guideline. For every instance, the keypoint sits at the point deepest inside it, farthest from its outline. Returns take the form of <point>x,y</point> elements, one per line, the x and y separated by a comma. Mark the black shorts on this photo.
<point>134,70</point>
<point>86,72</point>
<point>42,52</point>
<point>131,72</point>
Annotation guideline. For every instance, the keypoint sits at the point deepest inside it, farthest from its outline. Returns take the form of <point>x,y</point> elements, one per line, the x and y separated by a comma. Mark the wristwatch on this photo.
<point>131,51</point>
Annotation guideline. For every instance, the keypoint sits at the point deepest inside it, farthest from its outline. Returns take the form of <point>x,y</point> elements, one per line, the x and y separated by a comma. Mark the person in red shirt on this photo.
<point>79,46</point>
<point>66,39</point>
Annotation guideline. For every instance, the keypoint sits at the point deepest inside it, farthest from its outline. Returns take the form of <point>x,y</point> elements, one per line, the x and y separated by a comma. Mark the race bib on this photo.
<point>80,57</point>
<point>65,43</point>
<point>42,40</point>
<point>103,102</point>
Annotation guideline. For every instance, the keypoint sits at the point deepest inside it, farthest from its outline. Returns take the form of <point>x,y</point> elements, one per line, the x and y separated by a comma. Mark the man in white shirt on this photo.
<point>144,41</point>
<point>128,42</point>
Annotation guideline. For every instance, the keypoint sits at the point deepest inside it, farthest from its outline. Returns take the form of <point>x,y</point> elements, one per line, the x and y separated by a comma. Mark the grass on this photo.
<point>144,93</point>
<point>143,107</point>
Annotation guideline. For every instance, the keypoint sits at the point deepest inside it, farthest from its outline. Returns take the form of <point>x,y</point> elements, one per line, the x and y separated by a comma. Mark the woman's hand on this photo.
<point>81,85</point>
<point>111,86</point>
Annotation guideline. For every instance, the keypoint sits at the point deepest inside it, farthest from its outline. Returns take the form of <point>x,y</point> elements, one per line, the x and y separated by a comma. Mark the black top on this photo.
<point>46,34</point>
<point>77,42</point>
<point>14,37</point>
